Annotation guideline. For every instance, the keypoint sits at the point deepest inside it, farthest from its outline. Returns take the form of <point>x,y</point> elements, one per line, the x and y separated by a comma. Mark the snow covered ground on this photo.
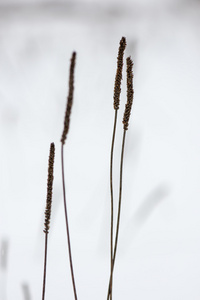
<point>159,244</point>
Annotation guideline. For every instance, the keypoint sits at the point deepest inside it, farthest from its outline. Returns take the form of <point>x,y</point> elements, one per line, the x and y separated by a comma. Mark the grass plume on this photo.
<point>48,209</point>
<point>69,99</point>
<point>117,92</point>
<point>130,92</point>
<point>63,138</point>
<point>127,112</point>
<point>118,77</point>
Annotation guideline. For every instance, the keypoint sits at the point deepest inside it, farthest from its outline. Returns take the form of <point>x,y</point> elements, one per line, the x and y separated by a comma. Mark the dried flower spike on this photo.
<point>49,189</point>
<point>69,99</point>
<point>130,92</point>
<point>118,77</point>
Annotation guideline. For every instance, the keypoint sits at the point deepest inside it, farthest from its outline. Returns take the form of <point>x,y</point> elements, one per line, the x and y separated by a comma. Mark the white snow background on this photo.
<point>158,254</point>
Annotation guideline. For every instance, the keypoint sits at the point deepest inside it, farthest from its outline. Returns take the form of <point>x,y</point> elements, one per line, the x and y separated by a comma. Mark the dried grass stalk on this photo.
<point>64,135</point>
<point>127,113</point>
<point>117,91</point>
<point>48,210</point>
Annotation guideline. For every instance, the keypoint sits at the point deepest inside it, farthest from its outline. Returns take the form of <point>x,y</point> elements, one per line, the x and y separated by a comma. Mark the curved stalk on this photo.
<point>118,217</point>
<point>67,225</point>
<point>111,196</point>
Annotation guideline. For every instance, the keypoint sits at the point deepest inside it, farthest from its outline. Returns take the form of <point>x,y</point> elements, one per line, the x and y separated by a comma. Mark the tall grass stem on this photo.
<point>45,266</point>
<point>119,213</point>
<point>111,195</point>
<point>67,225</point>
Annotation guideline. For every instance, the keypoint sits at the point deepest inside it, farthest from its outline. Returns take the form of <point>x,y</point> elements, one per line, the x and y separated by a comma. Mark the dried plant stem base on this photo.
<point>45,266</point>
<point>111,194</point>
<point>118,217</point>
<point>67,225</point>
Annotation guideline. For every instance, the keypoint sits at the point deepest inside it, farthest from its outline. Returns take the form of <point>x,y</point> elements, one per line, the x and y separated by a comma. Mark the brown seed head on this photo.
<point>49,189</point>
<point>69,99</point>
<point>130,92</point>
<point>118,77</point>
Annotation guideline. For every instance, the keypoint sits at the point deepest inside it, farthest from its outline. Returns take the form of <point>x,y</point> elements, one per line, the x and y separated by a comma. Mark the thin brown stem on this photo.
<point>67,225</point>
<point>45,266</point>
<point>118,216</point>
<point>111,196</point>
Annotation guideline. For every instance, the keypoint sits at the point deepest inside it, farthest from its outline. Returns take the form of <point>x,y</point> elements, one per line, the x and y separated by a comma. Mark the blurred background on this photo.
<point>159,243</point>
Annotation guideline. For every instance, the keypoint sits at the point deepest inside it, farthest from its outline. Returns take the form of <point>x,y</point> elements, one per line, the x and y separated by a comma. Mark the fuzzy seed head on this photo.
<point>49,189</point>
<point>118,77</point>
<point>130,92</point>
<point>69,99</point>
